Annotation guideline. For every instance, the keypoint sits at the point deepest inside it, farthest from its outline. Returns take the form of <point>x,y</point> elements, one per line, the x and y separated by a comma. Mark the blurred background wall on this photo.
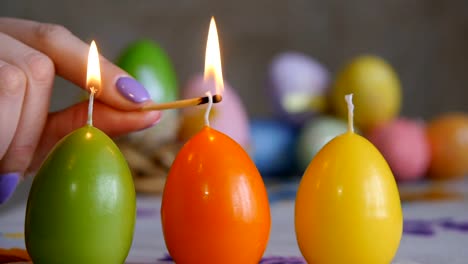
<point>425,40</point>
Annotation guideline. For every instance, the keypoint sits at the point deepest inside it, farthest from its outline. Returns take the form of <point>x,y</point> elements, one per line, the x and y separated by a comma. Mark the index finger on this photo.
<point>70,55</point>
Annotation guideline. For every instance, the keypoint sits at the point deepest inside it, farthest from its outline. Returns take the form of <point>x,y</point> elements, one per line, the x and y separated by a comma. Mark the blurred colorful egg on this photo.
<point>405,146</point>
<point>448,140</point>
<point>147,62</point>
<point>298,85</point>
<point>376,89</point>
<point>273,145</point>
<point>315,134</point>
<point>229,116</point>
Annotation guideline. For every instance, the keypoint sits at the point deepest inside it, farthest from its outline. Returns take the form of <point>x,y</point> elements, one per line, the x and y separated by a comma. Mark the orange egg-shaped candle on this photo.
<point>214,206</point>
<point>348,207</point>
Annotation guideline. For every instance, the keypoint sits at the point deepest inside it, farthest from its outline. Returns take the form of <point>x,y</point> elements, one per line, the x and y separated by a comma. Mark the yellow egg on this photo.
<point>348,207</point>
<point>376,89</point>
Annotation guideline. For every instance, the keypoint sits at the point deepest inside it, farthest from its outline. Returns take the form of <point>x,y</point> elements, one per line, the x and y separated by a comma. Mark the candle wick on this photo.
<point>349,102</point>
<point>208,109</point>
<point>90,106</point>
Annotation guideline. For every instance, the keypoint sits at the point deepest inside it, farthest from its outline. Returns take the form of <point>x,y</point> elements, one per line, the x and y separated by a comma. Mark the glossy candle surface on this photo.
<point>81,207</point>
<point>347,206</point>
<point>215,206</point>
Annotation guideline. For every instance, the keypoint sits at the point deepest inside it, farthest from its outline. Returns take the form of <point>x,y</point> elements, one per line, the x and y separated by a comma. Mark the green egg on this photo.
<point>82,205</point>
<point>147,62</point>
<point>315,134</point>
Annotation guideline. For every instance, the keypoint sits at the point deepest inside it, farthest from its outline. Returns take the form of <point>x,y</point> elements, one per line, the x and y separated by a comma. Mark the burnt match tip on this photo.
<point>216,99</point>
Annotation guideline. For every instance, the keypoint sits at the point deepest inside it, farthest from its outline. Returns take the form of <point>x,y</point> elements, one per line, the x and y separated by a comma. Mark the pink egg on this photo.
<point>229,116</point>
<point>405,146</point>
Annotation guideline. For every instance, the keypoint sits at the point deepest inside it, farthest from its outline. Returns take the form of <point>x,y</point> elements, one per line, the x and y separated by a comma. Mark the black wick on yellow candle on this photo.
<point>93,78</point>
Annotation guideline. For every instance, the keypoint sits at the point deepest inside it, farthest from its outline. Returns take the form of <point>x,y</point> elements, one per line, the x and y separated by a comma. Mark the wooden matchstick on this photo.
<point>182,103</point>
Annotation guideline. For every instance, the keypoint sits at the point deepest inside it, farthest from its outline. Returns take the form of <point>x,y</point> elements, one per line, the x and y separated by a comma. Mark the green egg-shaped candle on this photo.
<point>148,63</point>
<point>82,206</point>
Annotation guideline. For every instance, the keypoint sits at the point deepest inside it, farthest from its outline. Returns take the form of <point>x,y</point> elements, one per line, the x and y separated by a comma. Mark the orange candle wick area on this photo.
<point>208,108</point>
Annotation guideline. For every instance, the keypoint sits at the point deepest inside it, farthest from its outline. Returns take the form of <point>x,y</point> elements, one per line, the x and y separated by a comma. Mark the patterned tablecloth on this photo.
<point>435,228</point>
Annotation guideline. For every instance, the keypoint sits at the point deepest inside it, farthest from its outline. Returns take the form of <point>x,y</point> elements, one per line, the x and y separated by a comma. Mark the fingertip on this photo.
<point>153,117</point>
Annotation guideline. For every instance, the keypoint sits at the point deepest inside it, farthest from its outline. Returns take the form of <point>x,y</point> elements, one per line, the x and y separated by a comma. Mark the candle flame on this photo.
<point>93,76</point>
<point>213,68</point>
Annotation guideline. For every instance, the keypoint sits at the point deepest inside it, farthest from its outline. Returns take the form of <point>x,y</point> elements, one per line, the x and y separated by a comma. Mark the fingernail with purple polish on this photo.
<point>8,183</point>
<point>132,90</point>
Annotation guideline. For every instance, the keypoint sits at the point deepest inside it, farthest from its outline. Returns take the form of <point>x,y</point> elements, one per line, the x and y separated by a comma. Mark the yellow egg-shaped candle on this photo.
<point>348,207</point>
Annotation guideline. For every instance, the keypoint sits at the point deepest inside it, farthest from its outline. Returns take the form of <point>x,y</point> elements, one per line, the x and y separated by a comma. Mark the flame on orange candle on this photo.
<point>213,69</point>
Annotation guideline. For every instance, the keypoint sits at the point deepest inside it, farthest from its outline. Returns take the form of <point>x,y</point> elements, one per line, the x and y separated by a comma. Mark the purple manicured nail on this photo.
<point>8,184</point>
<point>132,90</point>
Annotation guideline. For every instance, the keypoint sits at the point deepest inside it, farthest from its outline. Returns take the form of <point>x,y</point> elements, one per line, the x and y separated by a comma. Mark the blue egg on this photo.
<point>273,144</point>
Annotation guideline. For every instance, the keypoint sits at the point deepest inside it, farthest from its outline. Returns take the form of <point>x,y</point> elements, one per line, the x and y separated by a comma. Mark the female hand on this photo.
<point>31,54</point>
